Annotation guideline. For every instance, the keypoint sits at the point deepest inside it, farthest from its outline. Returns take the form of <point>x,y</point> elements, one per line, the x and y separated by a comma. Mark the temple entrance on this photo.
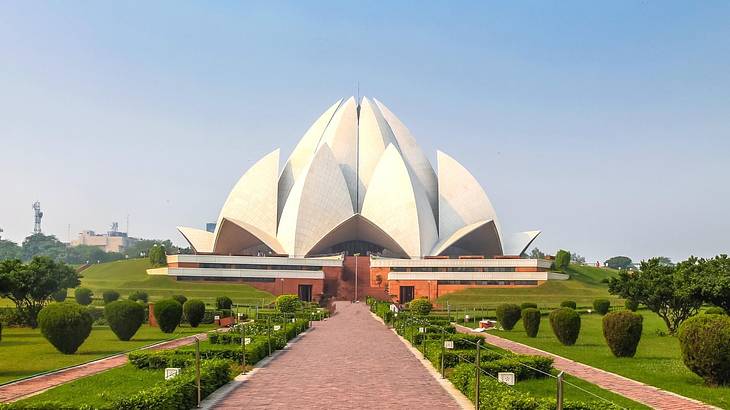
<point>406,294</point>
<point>305,293</point>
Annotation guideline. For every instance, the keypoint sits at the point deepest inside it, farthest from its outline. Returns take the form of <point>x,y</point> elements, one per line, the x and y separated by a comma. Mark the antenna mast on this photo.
<point>38,216</point>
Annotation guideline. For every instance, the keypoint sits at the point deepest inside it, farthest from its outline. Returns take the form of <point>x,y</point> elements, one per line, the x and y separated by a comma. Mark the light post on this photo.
<point>282,286</point>
<point>356,255</point>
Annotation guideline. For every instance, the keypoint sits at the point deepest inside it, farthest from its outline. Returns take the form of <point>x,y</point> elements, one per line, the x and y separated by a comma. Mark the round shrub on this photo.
<point>124,318</point>
<point>139,296</point>
<point>181,299</point>
<point>566,325</point>
<point>705,344</point>
<point>168,313</point>
<point>601,306</point>
<point>224,302</point>
<point>531,321</point>
<point>83,296</point>
<point>507,315</point>
<point>569,304</point>
<point>622,331</point>
<point>715,310</point>
<point>420,306</point>
<point>65,325</point>
<point>110,296</point>
<point>195,311</point>
<point>631,305</point>
<point>528,305</point>
<point>288,303</point>
<point>59,295</point>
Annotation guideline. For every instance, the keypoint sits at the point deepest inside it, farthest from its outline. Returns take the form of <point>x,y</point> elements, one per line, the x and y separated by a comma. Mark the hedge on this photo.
<point>715,310</point>
<point>569,304</point>
<point>185,357</point>
<point>110,296</point>
<point>622,331</point>
<point>168,313</point>
<point>139,296</point>
<point>507,315</point>
<point>531,321</point>
<point>66,325</point>
<point>601,306</point>
<point>420,306</point>
<point>631,305</point>
<point>528,305</point>
<point>223,302</point>
<point>524,367</point>
<point>455,357</point>
<point>705,344</point>
<point>194,311</point>
<point>124,318</point>
<point>566,325</point>
<point>83,296</point>
<point>181,299</point>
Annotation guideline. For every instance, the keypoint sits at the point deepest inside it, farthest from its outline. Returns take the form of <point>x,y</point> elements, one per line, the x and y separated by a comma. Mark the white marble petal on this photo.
<point>517,243</point>
<point>201,241</point>
<point>341,136</point>
<point>375,135</point>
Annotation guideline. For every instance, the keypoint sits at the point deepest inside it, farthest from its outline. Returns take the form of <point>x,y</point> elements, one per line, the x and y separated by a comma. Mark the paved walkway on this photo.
<point>349,361</point>
<point>637,391</point>
<point>28,387</point>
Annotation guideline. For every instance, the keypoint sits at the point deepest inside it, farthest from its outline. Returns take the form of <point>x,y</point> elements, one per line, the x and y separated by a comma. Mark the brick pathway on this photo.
<point>28,387</point>
<point>349,361</point>
<point>634,390</point>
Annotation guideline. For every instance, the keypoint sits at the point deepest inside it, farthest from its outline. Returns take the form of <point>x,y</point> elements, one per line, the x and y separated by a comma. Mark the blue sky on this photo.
<point>604,125</point>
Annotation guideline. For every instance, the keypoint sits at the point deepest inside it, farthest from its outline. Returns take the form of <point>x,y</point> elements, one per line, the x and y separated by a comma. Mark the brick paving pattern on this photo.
<point>637,391</point>
<point>350,361</point>
<point>23,388</point>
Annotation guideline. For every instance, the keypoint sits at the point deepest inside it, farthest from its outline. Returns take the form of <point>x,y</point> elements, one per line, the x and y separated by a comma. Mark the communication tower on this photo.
<point>38,216</point>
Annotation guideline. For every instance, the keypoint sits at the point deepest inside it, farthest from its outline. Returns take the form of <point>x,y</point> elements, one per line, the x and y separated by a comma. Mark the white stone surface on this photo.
<point>235,236</point>
<point>318,202</point>
<point>201,241</point>
<point>341,136</point>
<point>517,243</point>
<point>399,207</point>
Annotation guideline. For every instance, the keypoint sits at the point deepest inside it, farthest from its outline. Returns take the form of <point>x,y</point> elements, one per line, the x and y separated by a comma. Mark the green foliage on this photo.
<point>420,306</point>
<point>565,323</point>
<point>288,303</point>
<point>83,296</point>
<point>139,296</point>
<point>569,304</point>
<point>83,254</point>
<point>535,253</point>
<point>601,306</point>
<point>631,305</point>
<point>619,262</point>
<point>672,292</point>
<point>705,343</point>
<point>31,285</point>
<point>124,318</point>
<point>168,313</point>
<point>562,259</point>
<point>194,310</point>
<point>531,321</point>
<point>223,302</point>
<point>110,296</point>
<point>39,244</point>
<point>507,315</point>
<point>622,331</point>
<point>59,295</point>
<point>715,281</point>
<point>181,299</point>
<point>715,310</point>
<point>65,325</point>
<point>528,305</point>
<point>157,256</point>
<point>10,250</point>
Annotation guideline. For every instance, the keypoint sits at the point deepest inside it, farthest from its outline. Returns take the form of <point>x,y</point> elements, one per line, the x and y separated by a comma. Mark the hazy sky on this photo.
<point>606,126</point>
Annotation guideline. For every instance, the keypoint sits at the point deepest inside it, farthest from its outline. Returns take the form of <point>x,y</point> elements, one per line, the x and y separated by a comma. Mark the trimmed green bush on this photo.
<point>420,306</point>
<point>622,331</point>
<point>569,304</point>
<point>288,303</point>
<point>168,313</point>
<point>562,259</point>
<point>124,318</point>
<point>139,296</point>
<point>223,302</point>
<point>194,311</point>
<point>110,296</point>
<point>705,344</point>
<point>83,296</point>
<point>631,305</point>
<point>528,305</point>
<point>60,295</point>
<point>715,310</point>
<point>65,325</point>
<point>601,306</point>
<point>531,321</point>
<point>566,325</point>
<point>181,299</point>
<point>507,315</point>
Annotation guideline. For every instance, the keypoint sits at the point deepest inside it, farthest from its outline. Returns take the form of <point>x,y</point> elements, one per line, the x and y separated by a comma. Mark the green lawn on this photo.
<point>24,351</point>
<point>657,362</point>
<point>583,287</point>
<point>130,275</point>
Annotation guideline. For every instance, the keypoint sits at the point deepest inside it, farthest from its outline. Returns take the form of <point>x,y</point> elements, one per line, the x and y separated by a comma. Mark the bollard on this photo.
<point>479,371</point>
<point>560,391</point>
<point>443,353</point>
<point>197,367</point>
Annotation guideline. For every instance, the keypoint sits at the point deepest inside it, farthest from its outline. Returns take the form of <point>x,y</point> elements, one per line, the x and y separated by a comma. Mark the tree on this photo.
<point>84,253</point>
<point>672,292</point>
<point>30,286</point>
<point>715,281</point>
<point>574,257</point>
<point>157,256</point>
<point>10,250</point>
<point>66,325</point>
<point>83,296</point>
<point>124,318</point>
<point>43,245</point>
<point>535,253</point>
<point>562,259</point>
<point>619,262</point>
<point>664,260</point>
<point>194,311</point>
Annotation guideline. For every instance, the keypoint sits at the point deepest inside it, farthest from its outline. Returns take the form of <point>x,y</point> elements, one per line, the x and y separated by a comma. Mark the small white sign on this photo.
<point>171,372</point>
<point>240,315</point>
<point>449,344</point>
<point>216,317</point>
<point>466,318</point>
<point>421,330</point>
<point>293,320</point>
<point>247,341</point>
<point>506,378</point>
<point>277,327</point>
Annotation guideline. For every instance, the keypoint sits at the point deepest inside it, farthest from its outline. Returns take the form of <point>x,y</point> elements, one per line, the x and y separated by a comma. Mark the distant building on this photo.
<point>210,227</point>
<point>112,241</point>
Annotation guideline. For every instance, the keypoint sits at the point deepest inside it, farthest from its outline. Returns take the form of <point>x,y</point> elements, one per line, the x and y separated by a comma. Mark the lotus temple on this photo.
<point>358,210</point>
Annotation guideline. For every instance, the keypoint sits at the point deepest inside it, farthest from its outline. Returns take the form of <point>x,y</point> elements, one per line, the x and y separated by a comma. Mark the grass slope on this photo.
<point>24,351</point>
<point>130,275</point>
<point>658,360</point>
<point>583,287</point>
